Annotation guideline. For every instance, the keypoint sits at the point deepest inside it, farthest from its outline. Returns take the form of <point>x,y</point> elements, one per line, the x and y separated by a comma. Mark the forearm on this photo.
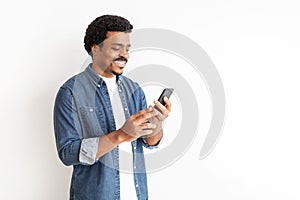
<point>110,141</point>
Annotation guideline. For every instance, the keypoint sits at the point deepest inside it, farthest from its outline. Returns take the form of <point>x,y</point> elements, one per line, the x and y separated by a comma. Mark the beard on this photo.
<point>116,73</point>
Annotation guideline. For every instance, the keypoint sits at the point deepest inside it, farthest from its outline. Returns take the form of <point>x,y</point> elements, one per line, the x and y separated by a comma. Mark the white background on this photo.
<point>255,46</point>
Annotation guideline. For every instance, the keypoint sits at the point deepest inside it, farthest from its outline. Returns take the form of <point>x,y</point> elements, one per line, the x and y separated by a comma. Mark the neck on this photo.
<point>102,72</point>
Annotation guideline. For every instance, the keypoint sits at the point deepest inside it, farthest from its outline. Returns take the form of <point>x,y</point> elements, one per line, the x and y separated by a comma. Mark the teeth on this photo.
<point>120,63</point>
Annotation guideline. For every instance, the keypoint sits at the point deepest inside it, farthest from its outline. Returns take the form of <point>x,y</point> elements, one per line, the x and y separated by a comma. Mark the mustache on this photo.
<point>121,58</point>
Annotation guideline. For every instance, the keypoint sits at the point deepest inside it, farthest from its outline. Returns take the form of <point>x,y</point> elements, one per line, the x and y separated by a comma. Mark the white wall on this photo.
<point>255,46</point>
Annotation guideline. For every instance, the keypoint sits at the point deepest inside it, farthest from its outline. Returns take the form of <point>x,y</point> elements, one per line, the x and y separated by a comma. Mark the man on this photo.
<point>99,111</point>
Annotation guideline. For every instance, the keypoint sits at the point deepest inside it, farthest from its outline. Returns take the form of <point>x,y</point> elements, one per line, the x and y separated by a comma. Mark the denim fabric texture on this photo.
<point>82,114</point>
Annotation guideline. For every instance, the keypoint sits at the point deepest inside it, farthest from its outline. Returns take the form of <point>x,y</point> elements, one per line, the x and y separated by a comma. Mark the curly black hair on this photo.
<point>97,30</point>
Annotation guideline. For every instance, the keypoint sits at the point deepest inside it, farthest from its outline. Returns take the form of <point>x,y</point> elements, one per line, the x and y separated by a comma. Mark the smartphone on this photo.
<point>165,93</point>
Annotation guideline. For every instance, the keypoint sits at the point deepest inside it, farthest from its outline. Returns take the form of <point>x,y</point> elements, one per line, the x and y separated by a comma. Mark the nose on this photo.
<point>124,53</point>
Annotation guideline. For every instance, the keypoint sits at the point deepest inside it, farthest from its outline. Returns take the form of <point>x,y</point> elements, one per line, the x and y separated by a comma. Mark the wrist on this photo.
<point>154,138</point>
<point>121,136</point>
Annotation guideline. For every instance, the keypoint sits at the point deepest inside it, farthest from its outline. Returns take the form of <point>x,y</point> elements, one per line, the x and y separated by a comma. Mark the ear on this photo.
<point>95,49</point>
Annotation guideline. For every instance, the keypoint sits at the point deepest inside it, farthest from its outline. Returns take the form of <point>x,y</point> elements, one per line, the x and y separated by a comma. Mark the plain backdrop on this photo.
<point>255,46</point>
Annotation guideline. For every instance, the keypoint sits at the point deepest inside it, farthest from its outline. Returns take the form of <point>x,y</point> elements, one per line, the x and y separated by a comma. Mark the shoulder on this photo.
<point>69,83</point>
<point>66,89</point>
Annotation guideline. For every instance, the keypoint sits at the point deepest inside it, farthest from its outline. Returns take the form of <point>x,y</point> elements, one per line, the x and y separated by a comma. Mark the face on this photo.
<point>110,57</point>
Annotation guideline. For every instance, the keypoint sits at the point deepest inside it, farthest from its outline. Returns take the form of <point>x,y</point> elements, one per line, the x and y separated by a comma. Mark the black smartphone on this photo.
<point>165,93</point>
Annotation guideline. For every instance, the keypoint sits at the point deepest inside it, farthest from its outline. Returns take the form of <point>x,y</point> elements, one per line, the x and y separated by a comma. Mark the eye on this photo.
<point>115,49</point>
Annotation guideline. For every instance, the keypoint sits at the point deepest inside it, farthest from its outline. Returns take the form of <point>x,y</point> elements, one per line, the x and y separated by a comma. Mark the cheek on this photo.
<point>110,55</point>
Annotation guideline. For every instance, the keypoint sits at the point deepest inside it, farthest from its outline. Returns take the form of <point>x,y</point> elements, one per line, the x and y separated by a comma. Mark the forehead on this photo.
<point>117,37</point>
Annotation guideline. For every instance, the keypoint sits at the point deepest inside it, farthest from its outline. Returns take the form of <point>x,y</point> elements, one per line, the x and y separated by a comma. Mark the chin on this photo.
<point>117,73</point>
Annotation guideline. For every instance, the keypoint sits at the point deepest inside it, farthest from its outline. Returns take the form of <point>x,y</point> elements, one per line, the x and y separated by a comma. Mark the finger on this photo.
<point>157,122</point>
<point>144,118</point>
<point>148,126</point>
<point>158,105</point>
<point>161,108</point>
<point>168,103</point>
<point>146,132</point>
<point>158,117</point>
<point>140,113</point>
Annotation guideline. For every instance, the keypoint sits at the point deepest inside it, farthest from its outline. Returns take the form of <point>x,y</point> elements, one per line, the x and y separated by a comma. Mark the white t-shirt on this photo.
<point>126,166</point>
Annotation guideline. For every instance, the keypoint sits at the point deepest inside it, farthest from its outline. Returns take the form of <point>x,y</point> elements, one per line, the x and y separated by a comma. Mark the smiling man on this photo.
<point>102,122</point>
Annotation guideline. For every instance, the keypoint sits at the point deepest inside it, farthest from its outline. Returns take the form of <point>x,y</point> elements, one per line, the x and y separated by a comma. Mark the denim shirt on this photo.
<point>82,114</point>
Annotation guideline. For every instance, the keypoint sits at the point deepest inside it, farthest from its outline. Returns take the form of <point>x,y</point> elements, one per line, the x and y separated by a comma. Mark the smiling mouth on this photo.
<point>120,62</point>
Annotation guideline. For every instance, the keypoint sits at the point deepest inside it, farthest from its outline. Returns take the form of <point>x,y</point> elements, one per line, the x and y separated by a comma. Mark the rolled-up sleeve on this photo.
<point>146,145</point>
<point>88,150</point>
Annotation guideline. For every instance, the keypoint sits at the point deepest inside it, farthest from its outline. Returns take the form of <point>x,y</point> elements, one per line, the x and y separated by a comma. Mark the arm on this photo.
<point>73,150</point>
<point>68,141</point>
<point>109,142</point>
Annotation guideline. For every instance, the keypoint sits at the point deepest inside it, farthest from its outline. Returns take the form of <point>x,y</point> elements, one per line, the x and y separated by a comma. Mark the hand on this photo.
<point>160,114</point>
<point>138,125</point>
<point>164,110</point>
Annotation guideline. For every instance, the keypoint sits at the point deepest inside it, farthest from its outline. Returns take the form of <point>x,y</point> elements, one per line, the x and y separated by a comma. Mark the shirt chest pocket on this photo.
<point>93,122</point>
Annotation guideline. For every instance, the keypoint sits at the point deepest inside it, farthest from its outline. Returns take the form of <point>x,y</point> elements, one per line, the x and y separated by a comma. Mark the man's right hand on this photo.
<point>138,125</point>
<point>135,126</point>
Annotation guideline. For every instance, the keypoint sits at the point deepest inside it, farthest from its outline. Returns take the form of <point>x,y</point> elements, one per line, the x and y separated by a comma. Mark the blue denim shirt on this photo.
<point>82,114</point>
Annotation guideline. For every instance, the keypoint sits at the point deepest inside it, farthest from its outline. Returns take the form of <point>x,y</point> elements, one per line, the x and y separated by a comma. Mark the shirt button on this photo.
<point>126,108</point>
<point>134,167</point>
<point>136,185</point>
<point>134,147</point>
<point>98,85</point>
<point>91,109</point>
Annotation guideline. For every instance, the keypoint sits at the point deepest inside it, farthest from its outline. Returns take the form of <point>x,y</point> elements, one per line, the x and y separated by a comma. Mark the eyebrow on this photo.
<point>120,44</point>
